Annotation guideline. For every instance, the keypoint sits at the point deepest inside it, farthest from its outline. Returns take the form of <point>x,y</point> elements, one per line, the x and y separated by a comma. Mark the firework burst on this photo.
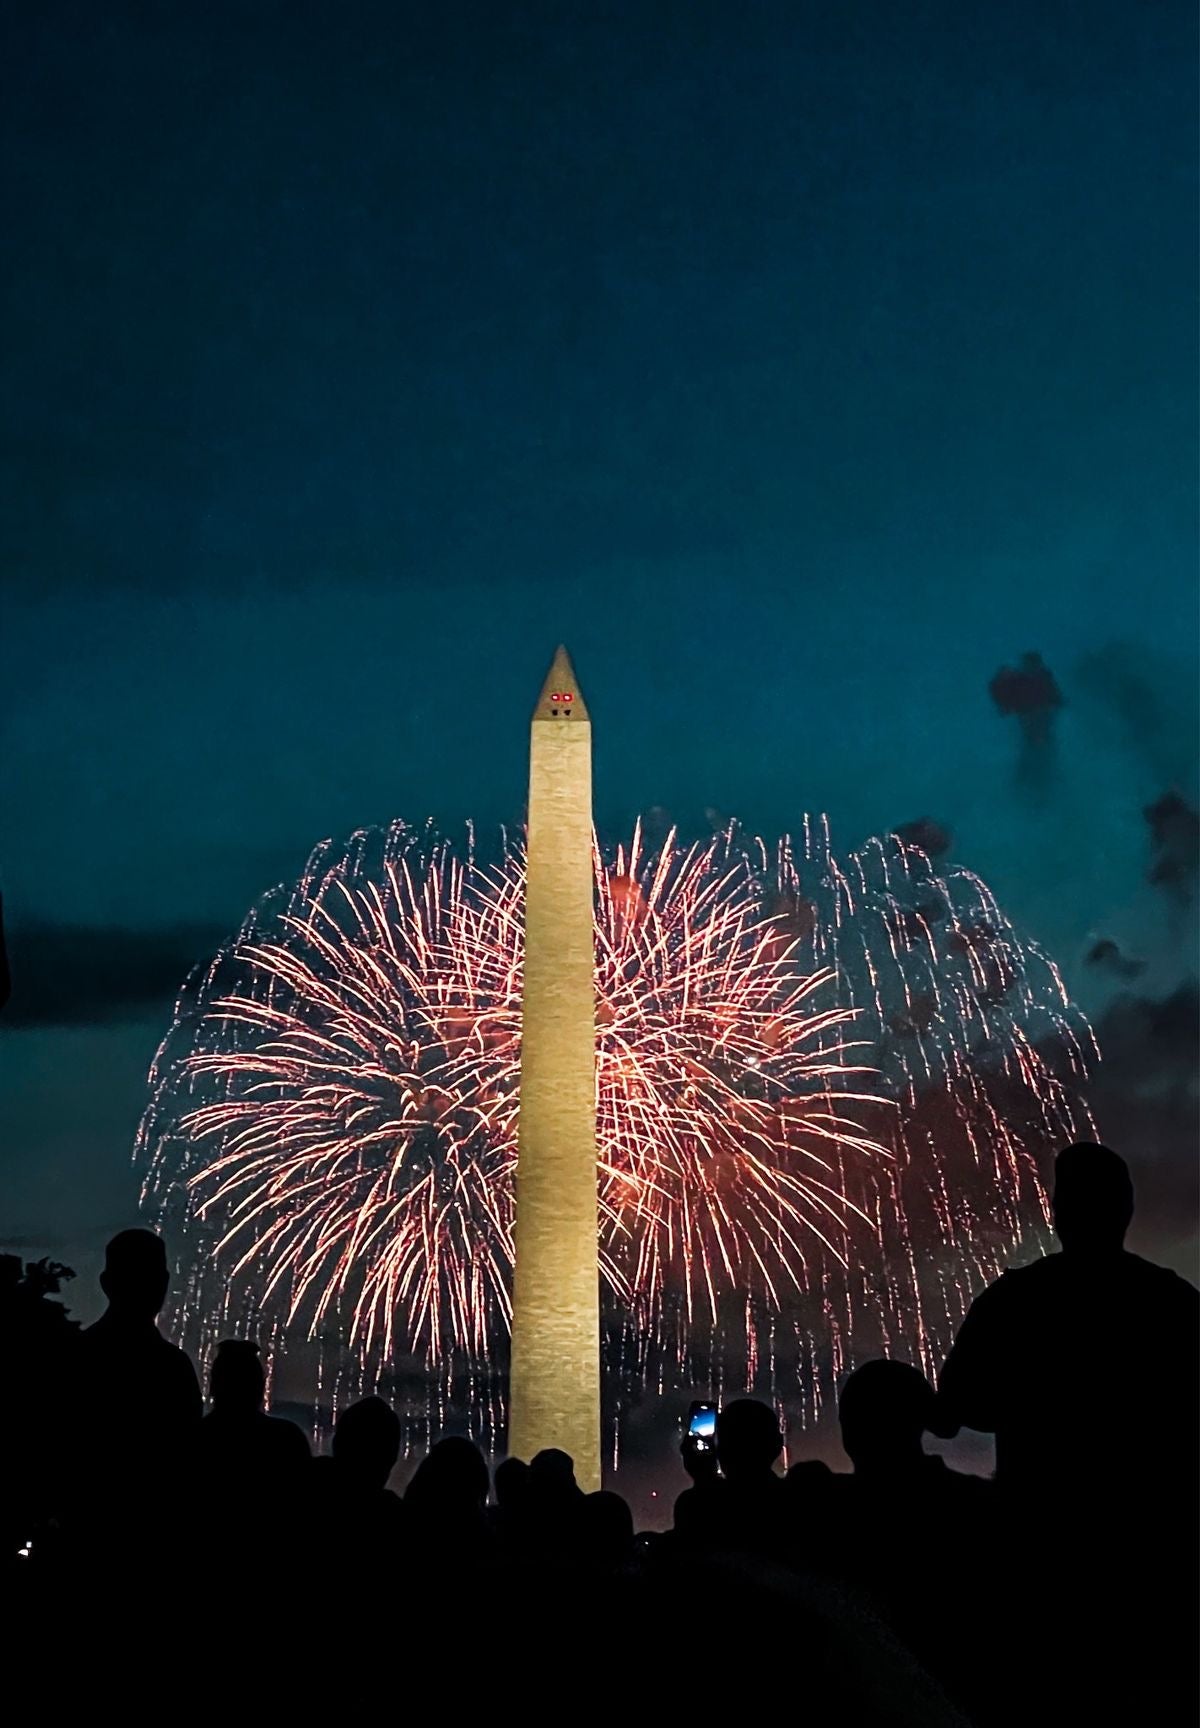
<point>725,1083</point>
<point>823,1093</point>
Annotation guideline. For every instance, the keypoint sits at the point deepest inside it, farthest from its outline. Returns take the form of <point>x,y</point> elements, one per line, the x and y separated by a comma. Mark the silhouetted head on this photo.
<point>749,1439</point>
<point>237,1383</point>
<point>512,1482</point>
<point>884,1410</point>
<point>366,1442</point>
<point>607,1529</point>
<point>1093,1199</point>
<point>553,1473</point>
<point>135,1275</point>
<point>451,1478</point>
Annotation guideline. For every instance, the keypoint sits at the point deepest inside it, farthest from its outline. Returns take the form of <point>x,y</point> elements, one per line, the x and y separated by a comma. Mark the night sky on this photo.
<point>798,366</point>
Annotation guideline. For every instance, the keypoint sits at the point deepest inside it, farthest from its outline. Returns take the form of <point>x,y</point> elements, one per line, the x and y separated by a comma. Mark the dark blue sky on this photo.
<point>797,366</point>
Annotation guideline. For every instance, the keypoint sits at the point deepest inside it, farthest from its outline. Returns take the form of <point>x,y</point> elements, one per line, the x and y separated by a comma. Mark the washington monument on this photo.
<point>554,1397</point>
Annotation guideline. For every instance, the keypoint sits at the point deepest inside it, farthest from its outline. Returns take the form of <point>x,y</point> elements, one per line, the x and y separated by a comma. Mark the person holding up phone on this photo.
<point>742,1507</point>
<point>698,1449</point>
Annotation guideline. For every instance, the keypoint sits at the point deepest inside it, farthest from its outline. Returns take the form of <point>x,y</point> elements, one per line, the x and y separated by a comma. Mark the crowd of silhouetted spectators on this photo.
<point>149,1539</point>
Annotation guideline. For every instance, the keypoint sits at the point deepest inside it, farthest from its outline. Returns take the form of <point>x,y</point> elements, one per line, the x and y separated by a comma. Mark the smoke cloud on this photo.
<point>1029,693</point>
<point>1145,1102</point>
<point>100,975</point>
<point>1106,956</point>
<point>1150,702</point>
<point>932,837</point>
<point>1175,846</point>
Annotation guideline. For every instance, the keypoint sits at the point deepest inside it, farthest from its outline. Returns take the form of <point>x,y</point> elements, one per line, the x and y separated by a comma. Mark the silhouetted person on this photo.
<point>136,1409</point>
<point>550,1512</point>
<point>749,1444</point>
<point>359,1523</point>
<point>746,1509</point>
<point>511,1483</point>
<point>690,1519</point>
<point>808,1476</point>
<point>506,1515</point>
<point>366,1445</point>
<point>1083,1365</point>
<point>738,1560</point>
<point>237,1438</point>
<point>446,1504</point>
<point>552,1476</point>
<point>451,1480</point>
<point>37,1341</point>
<point>905,1530</point>
<point>250,1467</point>
<point>606,1529</point>
<point>885,1410</point>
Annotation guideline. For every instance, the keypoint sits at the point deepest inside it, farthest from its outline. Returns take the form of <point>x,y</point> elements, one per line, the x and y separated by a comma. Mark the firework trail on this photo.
<point>823,1094</point>
<point>976,1042</point>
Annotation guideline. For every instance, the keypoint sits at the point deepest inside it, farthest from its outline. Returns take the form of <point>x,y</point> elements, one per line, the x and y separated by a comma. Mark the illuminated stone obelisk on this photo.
<point>554,1395</point>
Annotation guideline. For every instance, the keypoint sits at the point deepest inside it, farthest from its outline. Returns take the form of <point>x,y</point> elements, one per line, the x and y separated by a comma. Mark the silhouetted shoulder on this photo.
<point>1018,1290</point>
<point>179,1359</point>
<point>1021,1281</point>
<point>178,1367</point>
<point>1167,1285</point>
<point>972,1383</point>
<point>109,1354</point>
<point>290,1442</point>
<point>1048,1269</point>
<point>1029,1290</point>
<point>1041,1281</point>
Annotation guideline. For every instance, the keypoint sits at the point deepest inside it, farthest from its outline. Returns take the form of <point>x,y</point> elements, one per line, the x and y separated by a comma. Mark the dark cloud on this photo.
<point>1175,845</point>
<point>1152,701</point>
<point>1106,956</point>
<point>1155,1041</point>
<point>1145,1103</point>
<point>49,1239</point>
<point>932,837</point>
<point>1029,690</point>
<point>100,975</point>
<point>44,1244</point>
<point>1029,693</point>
